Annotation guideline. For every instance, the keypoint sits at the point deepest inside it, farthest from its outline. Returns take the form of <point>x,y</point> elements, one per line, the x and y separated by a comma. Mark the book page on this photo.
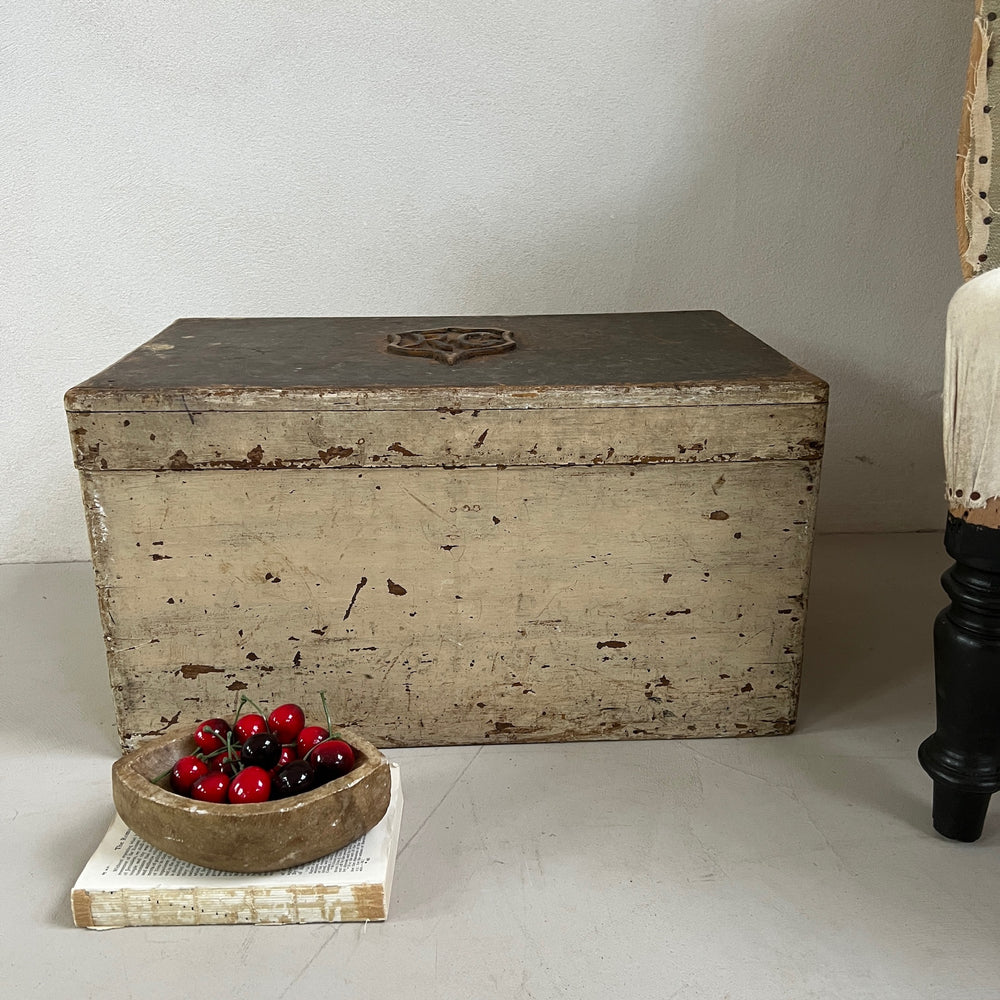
<point>126,861</point>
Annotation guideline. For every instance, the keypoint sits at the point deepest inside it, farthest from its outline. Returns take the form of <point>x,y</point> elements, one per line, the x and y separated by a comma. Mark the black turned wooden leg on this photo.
<point>963,755</point>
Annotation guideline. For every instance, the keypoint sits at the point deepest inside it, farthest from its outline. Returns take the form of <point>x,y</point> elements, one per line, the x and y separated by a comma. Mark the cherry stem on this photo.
<point>232,753</point>
<point>259,710</point>
<point>326,712</point>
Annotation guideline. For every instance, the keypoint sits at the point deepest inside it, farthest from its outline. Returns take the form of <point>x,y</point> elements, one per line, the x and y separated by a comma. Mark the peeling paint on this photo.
<point>357,590</point>
<point>337,451</point>
<point>192,670</point>
<point>400,450</point>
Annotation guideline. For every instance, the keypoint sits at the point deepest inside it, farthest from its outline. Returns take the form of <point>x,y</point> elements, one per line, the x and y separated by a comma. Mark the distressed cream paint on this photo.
<point>639,595</point>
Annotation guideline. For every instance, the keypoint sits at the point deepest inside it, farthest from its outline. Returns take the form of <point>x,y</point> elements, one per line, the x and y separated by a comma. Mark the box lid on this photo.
<point>614,359</point>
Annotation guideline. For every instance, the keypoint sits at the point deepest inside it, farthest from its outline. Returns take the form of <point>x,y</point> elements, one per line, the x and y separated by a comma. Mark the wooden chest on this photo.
<point>587,527</point>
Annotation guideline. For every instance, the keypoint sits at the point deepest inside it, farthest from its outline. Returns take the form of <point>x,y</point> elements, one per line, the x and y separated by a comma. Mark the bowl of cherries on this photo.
<point>259,794</point>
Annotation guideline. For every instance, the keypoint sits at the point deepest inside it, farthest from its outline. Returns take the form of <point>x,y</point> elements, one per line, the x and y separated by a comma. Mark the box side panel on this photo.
<point>485,605</point>
<point>103,555</point>
<point>447,437</point>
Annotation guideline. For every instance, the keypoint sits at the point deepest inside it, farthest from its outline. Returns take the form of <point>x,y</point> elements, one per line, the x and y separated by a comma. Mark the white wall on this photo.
<point>787,162</point>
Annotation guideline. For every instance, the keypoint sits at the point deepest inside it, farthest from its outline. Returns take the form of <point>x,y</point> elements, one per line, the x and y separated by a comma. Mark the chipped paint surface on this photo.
<point>442,606</point>
<point>84,399</point>
<point>450,439</point>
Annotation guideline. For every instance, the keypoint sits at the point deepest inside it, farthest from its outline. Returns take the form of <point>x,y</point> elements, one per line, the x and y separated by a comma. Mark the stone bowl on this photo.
<point>258,837</point>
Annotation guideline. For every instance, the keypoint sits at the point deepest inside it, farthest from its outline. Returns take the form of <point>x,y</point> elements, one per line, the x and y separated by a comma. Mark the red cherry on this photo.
<point>185,773</point>
<point>287,756</point>
<point>252,784</point>
<point>249,725</point>
<point>205,736</point>
<point>332,758</point>
<point>286,722</point>
<point>211,787</point>
<point>309,737</point>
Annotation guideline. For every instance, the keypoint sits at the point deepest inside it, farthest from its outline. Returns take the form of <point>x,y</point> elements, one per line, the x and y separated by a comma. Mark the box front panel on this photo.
<point>443,606</point>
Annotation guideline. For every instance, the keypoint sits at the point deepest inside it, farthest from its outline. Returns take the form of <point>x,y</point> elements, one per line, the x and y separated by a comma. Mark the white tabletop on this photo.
<point>801,866</point>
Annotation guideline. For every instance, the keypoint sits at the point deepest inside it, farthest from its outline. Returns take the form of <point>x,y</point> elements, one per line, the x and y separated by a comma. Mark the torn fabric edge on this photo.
<point>975,146</point>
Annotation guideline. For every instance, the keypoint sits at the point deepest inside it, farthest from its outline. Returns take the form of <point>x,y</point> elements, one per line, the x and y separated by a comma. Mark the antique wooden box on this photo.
<point>600,529</point>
